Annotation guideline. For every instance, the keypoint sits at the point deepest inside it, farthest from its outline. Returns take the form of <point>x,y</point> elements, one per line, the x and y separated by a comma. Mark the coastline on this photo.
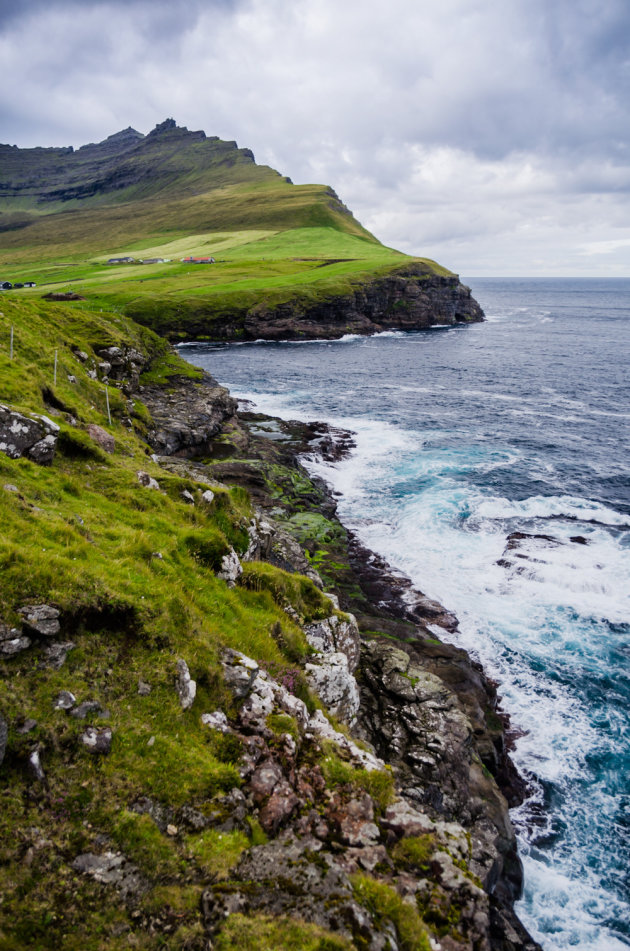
<point>459,770</point>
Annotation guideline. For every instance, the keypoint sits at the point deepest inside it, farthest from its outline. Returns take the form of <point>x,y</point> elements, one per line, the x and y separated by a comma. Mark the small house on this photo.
<point>125,260</point>
<point>30,284</point>
<point>192,260</point>
<point>6,285</point>
<point>153,261</point>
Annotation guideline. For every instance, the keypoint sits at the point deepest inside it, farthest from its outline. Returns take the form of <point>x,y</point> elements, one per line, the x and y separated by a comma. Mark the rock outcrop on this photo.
<point>32,436</point>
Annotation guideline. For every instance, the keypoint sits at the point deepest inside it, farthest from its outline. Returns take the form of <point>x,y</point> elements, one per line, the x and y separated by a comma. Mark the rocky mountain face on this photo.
<point>126,161</point>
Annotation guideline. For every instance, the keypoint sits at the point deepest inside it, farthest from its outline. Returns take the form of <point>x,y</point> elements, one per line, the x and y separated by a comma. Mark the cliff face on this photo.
<point>408,299</point>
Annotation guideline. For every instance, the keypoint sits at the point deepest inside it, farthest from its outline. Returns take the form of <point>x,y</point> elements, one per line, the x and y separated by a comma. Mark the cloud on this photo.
<point>432,121</point>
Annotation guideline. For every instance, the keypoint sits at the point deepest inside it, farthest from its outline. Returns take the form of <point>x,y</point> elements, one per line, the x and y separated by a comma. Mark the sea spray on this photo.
<point>491,466</point>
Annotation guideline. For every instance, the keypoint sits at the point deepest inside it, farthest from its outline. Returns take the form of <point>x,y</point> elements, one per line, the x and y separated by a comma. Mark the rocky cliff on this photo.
<point>223,723</point>
<point>409,297</point>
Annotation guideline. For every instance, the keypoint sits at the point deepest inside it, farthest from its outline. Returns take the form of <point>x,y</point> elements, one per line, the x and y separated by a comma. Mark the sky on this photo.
<point>491,135</point>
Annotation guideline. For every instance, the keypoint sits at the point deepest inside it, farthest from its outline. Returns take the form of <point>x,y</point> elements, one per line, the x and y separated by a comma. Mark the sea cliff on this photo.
<point>222,721</point>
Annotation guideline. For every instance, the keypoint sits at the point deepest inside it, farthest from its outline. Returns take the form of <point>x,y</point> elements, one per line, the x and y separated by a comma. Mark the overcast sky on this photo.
<point>492,135</point>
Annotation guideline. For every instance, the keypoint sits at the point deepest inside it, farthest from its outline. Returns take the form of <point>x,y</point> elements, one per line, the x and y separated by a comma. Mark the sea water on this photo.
<point>465,436</point>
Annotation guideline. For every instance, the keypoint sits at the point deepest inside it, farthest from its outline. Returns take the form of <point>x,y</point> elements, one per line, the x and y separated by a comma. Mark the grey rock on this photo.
<point>186,686</point>
<point>331,679</point>
<point>187,497</point>
<point>81,356</point>
<point>207,496</point>
<point>14,645</point>
<point>65,700</point>
<point>32,436</point>
<point>147,481</point>
<point>144,689</point>
<point>86,708</point>
<point>40,619</point>
<point>187,416</point>
<point>104,368</point>
<point>112,868</point>
<point>239,672</point>
<point>100,436</point>
<point>71,378</point>
<point>162,815</point>
<point>280,879</point>
<point>97,741</point>
<point>265,779</point>
<point>216,721</point>
<point>335,634</point>
<point>54,655</point>
<point>9,487</point>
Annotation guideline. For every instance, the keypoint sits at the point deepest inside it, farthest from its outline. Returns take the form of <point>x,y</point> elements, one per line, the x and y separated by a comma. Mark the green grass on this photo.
<point>385,904</point>
<point>83,534</point>
<point>262,933</point>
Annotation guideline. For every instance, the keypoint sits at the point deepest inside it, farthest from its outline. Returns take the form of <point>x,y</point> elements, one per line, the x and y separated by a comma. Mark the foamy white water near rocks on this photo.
<point>492,467</point>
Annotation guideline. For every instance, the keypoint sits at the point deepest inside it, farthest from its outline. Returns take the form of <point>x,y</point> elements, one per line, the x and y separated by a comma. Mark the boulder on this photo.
<point>32,436</point>
<point>35,767</point>
<point>83,710</point>
<point>97,741</point>
<point>187,416</point>
<point>147,481</point>
<point>100,436</point>
<point>331,679</point>
<point>11,642</point>
<point>239,672</point>
<point>65,700</point>
<point>112,868</point>
<point>54,655</point>
<point>40,619</point>
<point>216,721</point>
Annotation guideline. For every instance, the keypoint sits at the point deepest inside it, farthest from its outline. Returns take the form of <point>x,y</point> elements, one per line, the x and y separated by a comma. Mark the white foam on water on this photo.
<point>534,625</point>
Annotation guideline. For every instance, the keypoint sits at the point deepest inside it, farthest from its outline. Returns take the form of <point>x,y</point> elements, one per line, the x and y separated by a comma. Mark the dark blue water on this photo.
<point>465,436</point>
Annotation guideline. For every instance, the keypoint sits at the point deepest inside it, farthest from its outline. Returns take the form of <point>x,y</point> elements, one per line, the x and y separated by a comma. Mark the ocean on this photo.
<point>492,467</point>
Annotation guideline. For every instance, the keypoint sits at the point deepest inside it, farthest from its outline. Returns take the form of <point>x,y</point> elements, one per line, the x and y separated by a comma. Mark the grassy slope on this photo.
<point>273,241</point>
<point>83,535</point>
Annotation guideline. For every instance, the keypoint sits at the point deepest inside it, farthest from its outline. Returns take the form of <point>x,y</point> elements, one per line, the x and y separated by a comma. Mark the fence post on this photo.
<point>109,415</point>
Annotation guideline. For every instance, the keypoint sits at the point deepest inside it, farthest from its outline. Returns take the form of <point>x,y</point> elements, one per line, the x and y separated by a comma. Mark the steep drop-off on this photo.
<point>222,724</point>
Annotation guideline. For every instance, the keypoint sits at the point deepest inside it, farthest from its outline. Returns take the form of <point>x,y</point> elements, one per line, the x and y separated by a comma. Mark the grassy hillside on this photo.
<point>133,572</point>
<point>174,194</point>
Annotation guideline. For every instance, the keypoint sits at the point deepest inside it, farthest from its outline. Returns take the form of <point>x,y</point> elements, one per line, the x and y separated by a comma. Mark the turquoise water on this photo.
<point>465,436</point>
